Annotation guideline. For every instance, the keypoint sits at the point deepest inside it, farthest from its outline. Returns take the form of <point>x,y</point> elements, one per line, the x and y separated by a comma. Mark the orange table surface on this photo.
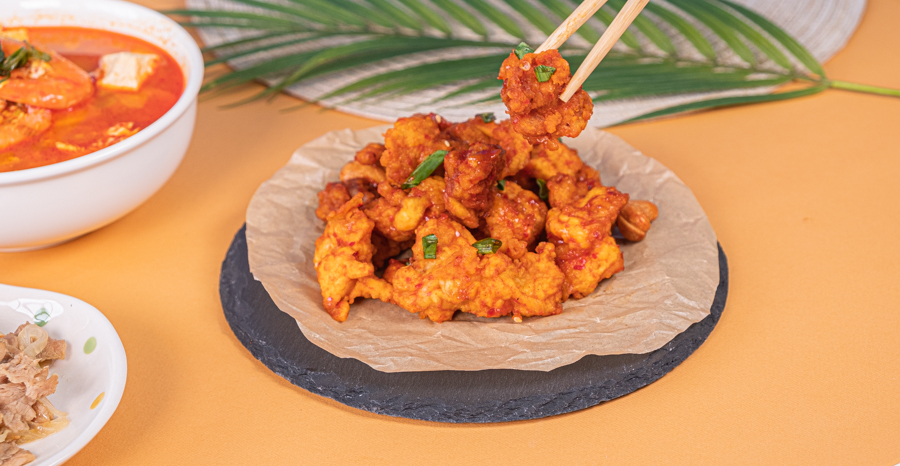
<point>803,368</point>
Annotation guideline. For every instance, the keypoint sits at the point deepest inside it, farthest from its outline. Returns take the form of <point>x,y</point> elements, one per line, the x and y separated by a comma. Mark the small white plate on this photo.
<point>91,378</point>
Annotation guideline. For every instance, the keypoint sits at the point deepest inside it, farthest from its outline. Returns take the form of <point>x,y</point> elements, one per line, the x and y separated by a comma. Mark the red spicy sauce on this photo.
<point>87,122</point>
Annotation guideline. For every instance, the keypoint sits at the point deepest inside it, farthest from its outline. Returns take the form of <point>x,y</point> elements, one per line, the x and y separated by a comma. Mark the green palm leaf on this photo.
<point>627,38</point>
<point>784,38</point>
<point>224,57</point>
<point>686,29</point>
<point>390,47</point>
<point>462,15</point>
<point>402,18</point>
<point>719,27</point>
<point>727,101</point>
<point>535,16</point>
<point>430,16</point>
<point>649,29</point>
<point>497,17</point>
<point>245,41</point>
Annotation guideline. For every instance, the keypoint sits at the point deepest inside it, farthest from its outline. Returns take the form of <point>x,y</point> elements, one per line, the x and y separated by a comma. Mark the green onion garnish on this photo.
<point>542,189</point>
<point>544,72</point>
<point>487,245</point>
<point>522,49</point>
<point>429,246</point>
<point>20,58</point>
<point>425,169</point>
<point>501,185</point>
<point>487,117</point>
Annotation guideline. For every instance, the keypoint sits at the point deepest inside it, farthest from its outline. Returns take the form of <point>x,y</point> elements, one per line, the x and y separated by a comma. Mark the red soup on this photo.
<point>73,91</point>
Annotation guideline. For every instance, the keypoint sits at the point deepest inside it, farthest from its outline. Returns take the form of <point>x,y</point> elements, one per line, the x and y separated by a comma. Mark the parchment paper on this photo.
<point>669,281</point>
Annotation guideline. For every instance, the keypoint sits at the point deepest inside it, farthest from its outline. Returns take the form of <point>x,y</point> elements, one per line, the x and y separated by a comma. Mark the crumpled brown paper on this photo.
<point>669,281</point>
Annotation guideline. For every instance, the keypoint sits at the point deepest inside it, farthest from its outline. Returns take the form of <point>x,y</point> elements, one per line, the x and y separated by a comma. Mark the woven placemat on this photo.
<point>822,26</point>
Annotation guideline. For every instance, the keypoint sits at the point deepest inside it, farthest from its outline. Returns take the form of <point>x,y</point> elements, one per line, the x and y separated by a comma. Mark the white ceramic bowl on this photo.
<point>48,205</point>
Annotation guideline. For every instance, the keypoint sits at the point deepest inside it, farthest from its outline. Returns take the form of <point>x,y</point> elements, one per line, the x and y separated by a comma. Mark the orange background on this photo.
<point>803,368</point>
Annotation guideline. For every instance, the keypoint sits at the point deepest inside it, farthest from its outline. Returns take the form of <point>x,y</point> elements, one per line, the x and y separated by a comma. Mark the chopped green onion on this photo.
<point>542,189</point>
<point>37,54</point>
<point>429,246</point>
<point>522,49</point>
<point>20,58</point>
<point>488,117</point>
<point>501,185</point>
<point>488,245</point>
<point>544,72</point>
<point>425,169</point>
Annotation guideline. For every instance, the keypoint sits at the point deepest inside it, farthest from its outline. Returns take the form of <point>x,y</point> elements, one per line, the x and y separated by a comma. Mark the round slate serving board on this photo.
<point>444,396</point>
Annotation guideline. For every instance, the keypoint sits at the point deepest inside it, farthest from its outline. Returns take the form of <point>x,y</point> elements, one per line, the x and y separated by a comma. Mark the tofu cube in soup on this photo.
<point>126,70</point>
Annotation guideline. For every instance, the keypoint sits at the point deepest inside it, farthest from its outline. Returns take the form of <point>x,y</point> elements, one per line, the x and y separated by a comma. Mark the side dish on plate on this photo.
<point>25,384</point>
<point>66,92</point>
<point>502,218</point>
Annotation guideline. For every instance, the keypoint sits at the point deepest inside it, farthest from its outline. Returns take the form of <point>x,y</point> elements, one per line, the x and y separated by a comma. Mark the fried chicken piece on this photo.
<point>545,163</point>
<point>518,149</point>
<point>343,260</point>
<point>385,249</point>
<point>531,286</point>
<point>331,199</point>
<point>383,210</point>
<point>397,213</point>
<point>371,154</point>
<point>423,202</point>
<point>371,287</point>
<point>566,189</point>
<point>354,170</point>
<point>437,288</point>
<point>360,178</point>
<point>541,283</point>
<point>472,175</point>
<point>393,266</point>
<point>336,194</point>
<point>409,142</point>
<point>535,107</point>
<point>368,189</point>
<point>492,285</point>
<point>472,131</point>
<point>586,253</point>
<point>516,219</point>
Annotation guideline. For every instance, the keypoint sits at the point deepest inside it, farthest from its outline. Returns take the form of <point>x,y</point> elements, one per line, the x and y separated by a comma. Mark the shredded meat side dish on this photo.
<point>25,384</point>
<point>497,225</point>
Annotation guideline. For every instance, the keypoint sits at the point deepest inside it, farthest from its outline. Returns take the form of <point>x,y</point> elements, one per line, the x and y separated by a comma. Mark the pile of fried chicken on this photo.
<point>502,218</point>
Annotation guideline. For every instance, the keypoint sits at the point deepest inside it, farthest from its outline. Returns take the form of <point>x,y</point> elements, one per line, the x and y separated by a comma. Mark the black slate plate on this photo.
<point>445,396</point>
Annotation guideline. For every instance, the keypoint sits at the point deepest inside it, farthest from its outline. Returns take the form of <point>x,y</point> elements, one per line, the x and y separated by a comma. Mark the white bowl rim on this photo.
<point>188,96</point>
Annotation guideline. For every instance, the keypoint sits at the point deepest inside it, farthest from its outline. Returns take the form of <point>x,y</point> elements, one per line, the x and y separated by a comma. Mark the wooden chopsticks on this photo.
<point>578,17</point>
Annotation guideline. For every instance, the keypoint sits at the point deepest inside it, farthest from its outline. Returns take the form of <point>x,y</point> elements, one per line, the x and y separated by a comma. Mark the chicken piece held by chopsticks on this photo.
<point>532,85</point>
